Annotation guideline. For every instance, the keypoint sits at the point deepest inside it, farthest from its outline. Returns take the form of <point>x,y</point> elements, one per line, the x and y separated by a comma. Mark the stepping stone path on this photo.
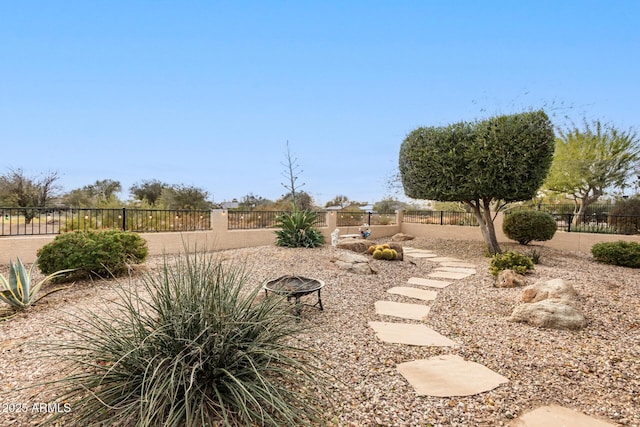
<point>451,375</point>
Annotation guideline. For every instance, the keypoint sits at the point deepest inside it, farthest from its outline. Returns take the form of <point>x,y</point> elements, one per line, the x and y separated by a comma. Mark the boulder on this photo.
<point>401,237</point>
<point>353,263</point>
<point>549,313</point>
<point>550,289</point>
<point>355,245</point>
<point>509,279</point>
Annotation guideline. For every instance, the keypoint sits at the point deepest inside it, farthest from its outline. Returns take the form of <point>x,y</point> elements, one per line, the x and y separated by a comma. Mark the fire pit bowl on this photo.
<point>295,287</point>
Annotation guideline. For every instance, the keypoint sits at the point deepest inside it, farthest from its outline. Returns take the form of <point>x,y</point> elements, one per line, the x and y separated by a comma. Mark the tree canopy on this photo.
<point>589,161</point>
<point>501,159</point>
<point>22,191</point>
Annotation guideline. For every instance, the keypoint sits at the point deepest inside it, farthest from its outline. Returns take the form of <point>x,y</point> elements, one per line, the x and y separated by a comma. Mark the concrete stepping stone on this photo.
<point>413,293</point>
<point>457,270</point>
<point>448,275</point>
<point>444,259</point>
<point>448,376</point>
<point>556,416</point>
<point>420,255</point>
<point>402,310</point>
<point>457,264</point>
<point>428,282</point>
<point>432,283</point>
<point>410,249</point>
<point>410,334</point>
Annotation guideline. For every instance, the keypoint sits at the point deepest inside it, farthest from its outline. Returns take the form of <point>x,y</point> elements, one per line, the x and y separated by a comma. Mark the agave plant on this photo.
<point>19,291</point>
<point>297,230</point>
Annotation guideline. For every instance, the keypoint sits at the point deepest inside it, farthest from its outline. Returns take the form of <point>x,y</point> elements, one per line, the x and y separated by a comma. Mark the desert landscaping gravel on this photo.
<point>595,371</point>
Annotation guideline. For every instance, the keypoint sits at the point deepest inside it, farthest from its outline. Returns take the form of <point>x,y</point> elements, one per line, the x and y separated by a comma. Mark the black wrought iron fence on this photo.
<point>248,220</point>
<point>602,223</point>
<point>348,219</point>
<point>40,221</point>
<point>440,217</point>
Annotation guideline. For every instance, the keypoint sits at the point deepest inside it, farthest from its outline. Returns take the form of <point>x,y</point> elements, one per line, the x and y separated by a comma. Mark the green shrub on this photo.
<point>527,226</point>
<point>297,230</point>
<point>510,260</point>
<point>626,254</point>
<point>92,253</point>
<point>192,347</point>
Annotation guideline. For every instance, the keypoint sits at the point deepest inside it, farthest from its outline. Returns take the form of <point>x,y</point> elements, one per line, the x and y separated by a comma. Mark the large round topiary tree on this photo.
<point>527,226</point>
<point>501,159</point>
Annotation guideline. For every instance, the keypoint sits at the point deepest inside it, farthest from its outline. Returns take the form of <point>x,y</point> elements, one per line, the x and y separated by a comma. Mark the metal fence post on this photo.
<point>569,223</point>
<point>124,219</point>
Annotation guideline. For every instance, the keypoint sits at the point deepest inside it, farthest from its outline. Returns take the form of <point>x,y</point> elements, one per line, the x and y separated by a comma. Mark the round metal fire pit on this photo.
<point>295,287</point>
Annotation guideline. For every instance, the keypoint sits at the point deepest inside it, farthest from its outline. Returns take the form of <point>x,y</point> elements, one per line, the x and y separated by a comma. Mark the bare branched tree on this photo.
<point>292,173</point>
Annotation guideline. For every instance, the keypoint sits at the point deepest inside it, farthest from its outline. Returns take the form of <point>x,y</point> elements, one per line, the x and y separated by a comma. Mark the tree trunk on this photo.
<point>485,220</point>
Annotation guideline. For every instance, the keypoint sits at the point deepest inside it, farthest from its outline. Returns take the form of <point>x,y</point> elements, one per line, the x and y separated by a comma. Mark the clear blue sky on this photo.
<point>207,93</point>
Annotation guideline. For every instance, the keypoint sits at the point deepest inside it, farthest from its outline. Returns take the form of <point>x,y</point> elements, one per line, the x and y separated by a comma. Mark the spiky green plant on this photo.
<point>297,230</point>
<point>19,291</point>
<point>192,346</point>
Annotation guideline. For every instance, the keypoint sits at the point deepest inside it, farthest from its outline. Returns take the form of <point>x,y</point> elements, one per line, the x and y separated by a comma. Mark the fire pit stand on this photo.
<point>295,287</point>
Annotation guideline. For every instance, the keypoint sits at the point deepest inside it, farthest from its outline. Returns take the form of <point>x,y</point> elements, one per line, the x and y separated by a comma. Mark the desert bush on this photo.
<point>192,346</point>
<point>527,226</point>
<point>511,260</point>
<point>92,253</point>
<point>297,230</point>
<point>626,254</point>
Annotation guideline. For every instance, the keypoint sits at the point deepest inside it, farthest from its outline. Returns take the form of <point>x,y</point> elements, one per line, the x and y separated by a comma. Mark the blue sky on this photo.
<point>207,93</point>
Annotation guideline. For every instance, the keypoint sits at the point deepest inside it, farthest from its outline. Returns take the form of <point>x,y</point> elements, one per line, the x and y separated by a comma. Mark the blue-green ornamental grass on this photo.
<point>192,346</point>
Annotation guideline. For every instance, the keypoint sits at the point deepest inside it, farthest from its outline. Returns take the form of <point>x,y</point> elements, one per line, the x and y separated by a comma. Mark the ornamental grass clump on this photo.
<point>192,347</point>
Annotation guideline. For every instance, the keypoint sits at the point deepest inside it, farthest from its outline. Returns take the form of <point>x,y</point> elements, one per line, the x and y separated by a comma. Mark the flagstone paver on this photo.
<point>428,282</point>
<point>410,334</point>
<point>444,259</point>
<point>457,270</point>
<point>420,255</point>
<point>448,376</point>
<point>448,275</point>
<point>416,293</point>
<point>457,264</point>
<point>554,415</point>
<point>402,310</point>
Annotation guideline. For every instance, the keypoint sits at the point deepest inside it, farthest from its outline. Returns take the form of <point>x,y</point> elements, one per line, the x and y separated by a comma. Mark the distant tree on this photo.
<point>21,191</point>
<point>292,173</point>
<point>340,200</point>
<point>150,190</point>
<point>304,202</point>
<point>104,191</point>
<point>185,197</point>
<point>251,201</point>
<point>482,164</point>
<point>388,205</point>
<point>78,198</point>
<point>589,161</point>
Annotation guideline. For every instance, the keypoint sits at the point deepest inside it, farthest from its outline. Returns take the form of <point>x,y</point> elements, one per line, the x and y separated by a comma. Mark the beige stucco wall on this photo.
<point>26,247</point>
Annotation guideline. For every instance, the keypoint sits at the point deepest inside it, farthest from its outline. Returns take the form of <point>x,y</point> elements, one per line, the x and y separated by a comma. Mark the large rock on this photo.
<point>353,263</point>
<point>509,279</point>
<point>549,313</point>
<point>401,237</point>
<point>355,245</point>
<point>550,289</point>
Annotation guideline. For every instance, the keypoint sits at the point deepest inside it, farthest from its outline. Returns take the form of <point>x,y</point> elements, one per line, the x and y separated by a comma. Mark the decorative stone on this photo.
<point>554,415</point>
<point>353,263</point>
<point>355,245</point>
<point>409,334</point>
<point>549,313</point>
<point>509,279</point>
<point>550,289</point>
<point>402,237</point>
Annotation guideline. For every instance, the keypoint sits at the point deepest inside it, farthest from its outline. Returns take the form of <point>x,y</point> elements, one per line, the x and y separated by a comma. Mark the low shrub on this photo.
<point>92,253</point>
<point>297,230</point>
<point>191,347</point>
<point>511,260</point>
<point>527,226</point>
<point>626,254</point>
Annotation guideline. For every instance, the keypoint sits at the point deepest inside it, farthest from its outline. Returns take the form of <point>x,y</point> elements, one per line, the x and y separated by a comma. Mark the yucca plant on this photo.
<point>19,291</point>
<point>297,230</point>
<point>192,347</point>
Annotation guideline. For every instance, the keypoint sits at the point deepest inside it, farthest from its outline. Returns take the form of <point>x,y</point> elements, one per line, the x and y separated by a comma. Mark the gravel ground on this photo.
<point>595,371</point>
